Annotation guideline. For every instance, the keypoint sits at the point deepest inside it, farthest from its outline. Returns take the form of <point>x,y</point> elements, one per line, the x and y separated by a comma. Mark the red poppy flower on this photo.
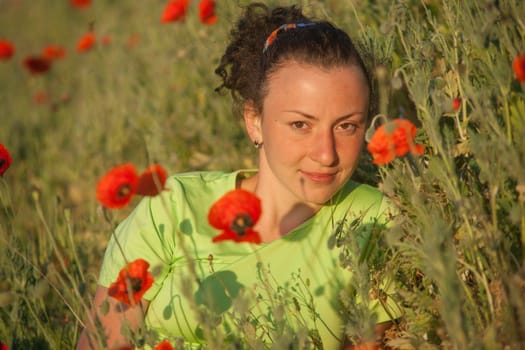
<point>86,42</point>
<point>133,40</point>
<point>456,103</point>
<point>235,214</point>
<point>393,139</point>
<point>134,280</point>
<point>175,10</point>
<point>6,50</point>
<point>164,345</point>
<point>53,52</point>
<point>116,188</point>
<point>37,64</point>
<point>3,346</point>
<point>80,3</point>
<point>5,159</point>
<point>207,11</point>
<point>519,67</point>
<point>152,181</point>
<point>41,97</point>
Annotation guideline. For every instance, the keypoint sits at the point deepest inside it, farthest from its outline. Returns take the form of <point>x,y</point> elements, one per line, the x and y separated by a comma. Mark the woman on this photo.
<point>304,94</point>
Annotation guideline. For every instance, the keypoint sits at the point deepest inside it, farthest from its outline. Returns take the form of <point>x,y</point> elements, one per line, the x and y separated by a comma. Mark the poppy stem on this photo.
<point>413,166</point>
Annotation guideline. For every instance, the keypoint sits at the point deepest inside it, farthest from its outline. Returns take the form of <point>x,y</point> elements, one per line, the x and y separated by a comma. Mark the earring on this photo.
<point>256,144</point>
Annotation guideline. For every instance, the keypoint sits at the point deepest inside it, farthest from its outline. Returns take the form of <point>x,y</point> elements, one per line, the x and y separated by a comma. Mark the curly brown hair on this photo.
<point>244,67</point>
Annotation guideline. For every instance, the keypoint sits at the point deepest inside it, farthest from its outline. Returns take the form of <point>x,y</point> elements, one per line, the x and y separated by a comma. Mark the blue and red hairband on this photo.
<point>283,28</point>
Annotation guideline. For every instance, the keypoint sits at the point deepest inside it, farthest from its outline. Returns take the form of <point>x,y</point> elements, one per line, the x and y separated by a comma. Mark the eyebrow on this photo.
<point>346,116</point>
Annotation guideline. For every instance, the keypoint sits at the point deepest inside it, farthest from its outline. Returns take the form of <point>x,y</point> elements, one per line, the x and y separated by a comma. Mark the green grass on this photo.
<point>457,247</point>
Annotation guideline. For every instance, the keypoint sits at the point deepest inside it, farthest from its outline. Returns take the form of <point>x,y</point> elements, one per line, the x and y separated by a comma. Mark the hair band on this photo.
<point>282,28</point>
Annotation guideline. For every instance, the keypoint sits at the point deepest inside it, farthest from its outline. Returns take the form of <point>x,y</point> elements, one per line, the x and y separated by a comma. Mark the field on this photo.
<point>145,93</point>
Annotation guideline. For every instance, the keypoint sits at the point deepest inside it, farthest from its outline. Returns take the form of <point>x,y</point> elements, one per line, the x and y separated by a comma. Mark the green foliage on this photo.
<point>457,246</point>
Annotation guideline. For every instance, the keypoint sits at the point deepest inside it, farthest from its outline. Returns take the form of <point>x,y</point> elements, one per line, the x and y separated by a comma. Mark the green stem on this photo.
<point>70,307</point>
<point>522,232</point>
<point>67,215</point>
<point>507,119</point>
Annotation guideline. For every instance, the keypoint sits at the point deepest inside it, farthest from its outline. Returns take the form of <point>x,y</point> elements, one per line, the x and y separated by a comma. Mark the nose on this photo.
<point>323,148</point>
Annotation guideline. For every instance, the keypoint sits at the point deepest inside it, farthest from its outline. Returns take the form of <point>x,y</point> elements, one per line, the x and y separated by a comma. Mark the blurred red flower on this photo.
<point>175,10</point>
<point>106,40</point>
<point>152,181</point>
<point>135,276</point>
<point>207,11</point>
<point>5,159</point>
<point>456,103</point>
<point>6,50</point>
<point>164,345</point>
<point>133,40</point>
<point>235,214</point>
<point>86,42</point>
<point>394,139</point>
<point>116,188</point>
<point>41,97</point>
<point>37,64</point>
<point>519,67</point>
<point>53,52</point>
<point>80,3</point>
<point>3,346</point>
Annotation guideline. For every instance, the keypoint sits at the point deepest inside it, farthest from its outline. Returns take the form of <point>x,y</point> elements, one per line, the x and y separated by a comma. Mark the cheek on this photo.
<point>349,151</point>
<point>285,151</point>
<point>278,142</point>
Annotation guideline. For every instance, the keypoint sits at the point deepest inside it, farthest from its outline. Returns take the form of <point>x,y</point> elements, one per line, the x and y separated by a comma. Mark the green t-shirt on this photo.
<point>298,267</point>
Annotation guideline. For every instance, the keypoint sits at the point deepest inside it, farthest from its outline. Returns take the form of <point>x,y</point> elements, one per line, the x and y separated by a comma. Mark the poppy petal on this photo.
<point>5,159</point>
<point>235,202</point>
<point>116,188</point>
<point>152,181</point>
<point>37,64</point>
<point>86,42</point>
<point>456,103</point>
<point>164,345</point>
<point>235,213</point>
<point>80,3</point>
<point>207,11</point>
<point>395,138</point>
<point>135,276</point>
<point>7,50</point>
<point>518,65</point>
<point>53,52</point>
<point>175,11</point>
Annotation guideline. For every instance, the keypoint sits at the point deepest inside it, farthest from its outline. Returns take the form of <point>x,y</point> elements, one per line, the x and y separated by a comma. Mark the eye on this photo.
<point>347,126</point>
<point>298,125</point>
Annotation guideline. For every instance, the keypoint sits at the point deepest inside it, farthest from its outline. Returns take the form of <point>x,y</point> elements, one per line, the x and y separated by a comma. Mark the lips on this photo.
<point>320,178</point>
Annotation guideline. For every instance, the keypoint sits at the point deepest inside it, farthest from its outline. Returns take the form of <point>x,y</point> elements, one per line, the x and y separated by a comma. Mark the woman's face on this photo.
<point>312,127</point>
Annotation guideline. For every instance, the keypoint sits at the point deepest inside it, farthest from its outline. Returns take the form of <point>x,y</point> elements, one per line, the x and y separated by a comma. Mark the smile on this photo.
<point>321,178</point>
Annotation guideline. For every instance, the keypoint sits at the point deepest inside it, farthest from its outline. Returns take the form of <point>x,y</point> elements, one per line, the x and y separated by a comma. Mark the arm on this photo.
<point>111,322</point>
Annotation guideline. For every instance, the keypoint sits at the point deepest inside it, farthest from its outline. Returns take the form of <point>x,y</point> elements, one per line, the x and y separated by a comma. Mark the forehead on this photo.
<point>296,82</point>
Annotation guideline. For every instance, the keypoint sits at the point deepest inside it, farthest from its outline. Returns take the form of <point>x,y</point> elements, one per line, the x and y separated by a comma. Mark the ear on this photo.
<point>252,121</point>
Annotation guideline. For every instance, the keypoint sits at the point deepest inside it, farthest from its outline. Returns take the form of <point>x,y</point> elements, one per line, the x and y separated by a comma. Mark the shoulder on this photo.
<point>191,191</point>
<point>360,199</point>
<point>201,184</point>
<point>358,192</point>
<point>197,178</point>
